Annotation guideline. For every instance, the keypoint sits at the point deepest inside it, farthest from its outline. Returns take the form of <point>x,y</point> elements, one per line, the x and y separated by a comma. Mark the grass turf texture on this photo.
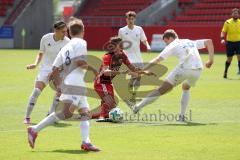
<point>212,134</point>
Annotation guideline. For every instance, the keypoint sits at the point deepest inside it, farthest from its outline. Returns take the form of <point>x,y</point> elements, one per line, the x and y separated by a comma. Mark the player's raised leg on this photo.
<point>163,89</point>
<point>50,119</point>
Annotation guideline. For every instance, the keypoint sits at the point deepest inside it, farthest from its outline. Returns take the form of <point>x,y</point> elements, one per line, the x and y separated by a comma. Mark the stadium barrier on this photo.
<point>98,36</point>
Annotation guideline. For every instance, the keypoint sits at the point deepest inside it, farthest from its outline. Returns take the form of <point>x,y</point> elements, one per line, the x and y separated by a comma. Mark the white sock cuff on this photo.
<point>55,116</point>
<point>84,123</point>
<point>36,92</point>
<point>185,91</point>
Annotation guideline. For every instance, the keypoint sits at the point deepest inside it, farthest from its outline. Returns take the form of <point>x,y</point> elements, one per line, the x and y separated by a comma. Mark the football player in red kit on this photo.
<point>111,63</point>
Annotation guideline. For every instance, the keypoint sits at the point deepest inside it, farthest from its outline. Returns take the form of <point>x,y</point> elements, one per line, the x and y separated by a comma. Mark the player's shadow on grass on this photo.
<point>190,124</point>
<point>232,79</point>
<point>171,124</point>
<point>70,151</point>
<point>61,125</point>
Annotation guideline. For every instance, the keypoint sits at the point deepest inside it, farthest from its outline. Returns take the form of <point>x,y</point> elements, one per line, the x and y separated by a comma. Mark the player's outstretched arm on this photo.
<point>37,61</point>
<point>136,72</point>
<point>153,62</point>
<point>146,72</point>
<point>209,45</point>
<point>108,72</point>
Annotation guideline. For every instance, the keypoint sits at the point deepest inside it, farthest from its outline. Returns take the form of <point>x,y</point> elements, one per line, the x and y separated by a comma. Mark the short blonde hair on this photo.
<point>76,26</point>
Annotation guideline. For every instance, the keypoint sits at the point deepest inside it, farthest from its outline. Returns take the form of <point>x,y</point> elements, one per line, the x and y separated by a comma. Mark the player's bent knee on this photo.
<point>68,114</point>
<point>186,86</point>
<point>40,85</point>
<point>68,110</point>
<point>84,114</point>
<point>229,59</point>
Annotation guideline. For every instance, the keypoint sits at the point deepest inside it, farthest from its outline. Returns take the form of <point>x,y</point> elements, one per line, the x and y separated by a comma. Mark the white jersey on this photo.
<point>50,48</point>
<point>76,48</point>
<point>186,51</point>
<point>134,36</point>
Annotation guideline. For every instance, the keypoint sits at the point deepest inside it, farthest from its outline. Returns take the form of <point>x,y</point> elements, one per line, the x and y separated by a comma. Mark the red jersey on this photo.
<point>114,62</point>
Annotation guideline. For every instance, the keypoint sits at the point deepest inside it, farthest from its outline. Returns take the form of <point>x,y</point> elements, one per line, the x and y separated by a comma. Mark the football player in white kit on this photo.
<point>133,35</point>
<point>50,45</point>
<point>187,72</point>
<point>71,62</point>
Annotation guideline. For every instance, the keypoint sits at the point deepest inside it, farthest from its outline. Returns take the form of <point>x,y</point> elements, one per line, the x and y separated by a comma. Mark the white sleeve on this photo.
<point>142,35</point>
<point>165,53</point>
<point>119,33</point>
<point>42,47</point>
<point>58,60</point>
<point>200,44</point>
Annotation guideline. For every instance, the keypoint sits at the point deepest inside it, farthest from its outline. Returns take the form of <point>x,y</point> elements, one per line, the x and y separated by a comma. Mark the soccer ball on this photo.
<point>116,115</point>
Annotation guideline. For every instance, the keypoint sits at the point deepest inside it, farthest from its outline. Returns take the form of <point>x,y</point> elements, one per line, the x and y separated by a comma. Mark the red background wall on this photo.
<point>97,36</point>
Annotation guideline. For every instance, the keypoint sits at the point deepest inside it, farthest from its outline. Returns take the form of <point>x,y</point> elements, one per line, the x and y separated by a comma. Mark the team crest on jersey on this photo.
<point>49,44</point>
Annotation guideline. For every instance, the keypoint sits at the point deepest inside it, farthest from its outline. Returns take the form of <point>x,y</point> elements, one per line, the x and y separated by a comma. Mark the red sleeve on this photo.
<point>125,59</point>
<point>106,59</point>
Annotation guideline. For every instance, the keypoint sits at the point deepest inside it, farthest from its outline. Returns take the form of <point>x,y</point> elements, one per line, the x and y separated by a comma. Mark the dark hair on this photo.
<point>115,40</point>
<point>59,25</point>
<point>170,33</point>
<point>131,14</point>
<point>76,27</point>
<point>235,9</point>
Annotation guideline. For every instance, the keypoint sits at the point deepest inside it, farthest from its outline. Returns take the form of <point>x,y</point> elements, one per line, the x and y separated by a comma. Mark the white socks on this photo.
<point>54,104</point>
<point>151,97</point>
<point>184,101</point>
<point>52,118</point>
<point>32,101</point>
<point>84,126</point>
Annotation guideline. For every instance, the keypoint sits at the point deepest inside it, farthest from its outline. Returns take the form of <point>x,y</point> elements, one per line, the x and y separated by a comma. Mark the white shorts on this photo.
<point>179,75</point>
<point>43,76</point>
<point>78,101</point>
<point>136,59</point>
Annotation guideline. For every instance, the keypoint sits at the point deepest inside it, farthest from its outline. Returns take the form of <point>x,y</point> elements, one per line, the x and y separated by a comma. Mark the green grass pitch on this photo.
<point>214,132</point>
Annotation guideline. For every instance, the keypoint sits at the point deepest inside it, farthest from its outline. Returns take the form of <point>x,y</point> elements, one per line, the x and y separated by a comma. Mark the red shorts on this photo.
<point>104,89</point>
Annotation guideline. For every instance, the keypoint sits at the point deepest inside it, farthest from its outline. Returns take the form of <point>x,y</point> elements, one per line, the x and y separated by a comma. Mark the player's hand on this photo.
<point>31,66</point>
<point>124,72</point>
<point>149,49</point>
<point>148,73</point>
<point>209,63</point>
<point>223,41</point>
<point>134,74</point>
